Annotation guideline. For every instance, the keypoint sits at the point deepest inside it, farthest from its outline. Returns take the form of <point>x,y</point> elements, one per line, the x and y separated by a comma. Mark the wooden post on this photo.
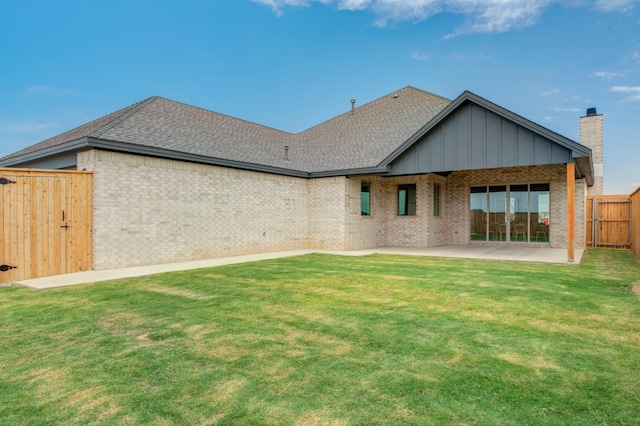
<point>571,211</point>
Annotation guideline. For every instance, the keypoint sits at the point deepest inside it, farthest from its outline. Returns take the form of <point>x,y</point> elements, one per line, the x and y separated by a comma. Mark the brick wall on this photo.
<point>407,231</point>
<point>326,213</point>
<point>581,213</point>
<point>384,227</point>
<point>438,225</point>
<point>592,136</point>
<point>149,210</point>
<point>365,231</point>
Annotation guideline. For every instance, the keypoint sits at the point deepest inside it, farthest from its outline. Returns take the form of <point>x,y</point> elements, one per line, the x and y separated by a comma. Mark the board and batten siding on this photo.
<point>475,138</point>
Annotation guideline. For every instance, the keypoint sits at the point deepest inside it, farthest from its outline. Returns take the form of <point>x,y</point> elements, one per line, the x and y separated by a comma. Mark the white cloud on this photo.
<point>608,75</point>
<point>632,91</point>
<point>482,16</point>
<point>277,5</point>
<point>353,4</point>
<point>496,16</point>
<point>566,109</point>
<point>624,6</point>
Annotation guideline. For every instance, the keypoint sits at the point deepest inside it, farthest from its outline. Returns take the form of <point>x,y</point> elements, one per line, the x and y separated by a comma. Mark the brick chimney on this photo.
<point>591,135</point>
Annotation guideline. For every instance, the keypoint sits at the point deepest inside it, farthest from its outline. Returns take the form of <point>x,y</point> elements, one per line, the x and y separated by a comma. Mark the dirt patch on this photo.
<point>121,323</point>
<point>537,363</point>
<point>109,412</point>
<point>179,292</point>
<point>316,419</point>
<point>636,289</point>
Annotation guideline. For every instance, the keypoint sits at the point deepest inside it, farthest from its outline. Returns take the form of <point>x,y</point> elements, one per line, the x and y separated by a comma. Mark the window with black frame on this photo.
<point>436,199</point>
<point>407,200</point>
<point>365,198</point>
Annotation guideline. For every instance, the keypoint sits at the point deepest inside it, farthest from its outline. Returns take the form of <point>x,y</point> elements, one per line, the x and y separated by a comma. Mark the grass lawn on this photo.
<point>331,340</point>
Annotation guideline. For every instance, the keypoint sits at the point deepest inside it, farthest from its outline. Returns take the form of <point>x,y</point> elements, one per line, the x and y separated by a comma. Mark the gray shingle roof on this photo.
<point>361,139</point>
<point>374,130</point>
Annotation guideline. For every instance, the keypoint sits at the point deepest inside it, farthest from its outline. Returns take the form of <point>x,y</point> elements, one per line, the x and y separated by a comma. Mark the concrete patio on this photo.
<point>519,254</point>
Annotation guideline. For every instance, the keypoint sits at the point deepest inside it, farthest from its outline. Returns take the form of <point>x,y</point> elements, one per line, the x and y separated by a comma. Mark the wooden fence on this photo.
<point>45,223</point>
<point>609,221</point>
<point>635,222</point>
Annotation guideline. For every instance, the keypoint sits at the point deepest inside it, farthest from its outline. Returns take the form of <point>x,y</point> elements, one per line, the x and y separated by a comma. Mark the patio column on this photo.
<point>571,211</point>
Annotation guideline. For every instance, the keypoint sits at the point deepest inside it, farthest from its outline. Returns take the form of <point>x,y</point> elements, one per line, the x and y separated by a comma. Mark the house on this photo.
<point>172,182</point>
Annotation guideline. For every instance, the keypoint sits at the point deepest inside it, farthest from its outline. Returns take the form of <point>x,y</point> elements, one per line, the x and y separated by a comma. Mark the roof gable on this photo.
<point>473,133</point>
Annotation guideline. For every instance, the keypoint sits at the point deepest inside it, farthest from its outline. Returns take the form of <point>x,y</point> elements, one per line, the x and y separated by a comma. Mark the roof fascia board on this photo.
<point>577,150</point>
<point>183,156</point>
<point>46,152</point>
<point>176,155</point>
<point>581,166</point>
<point>351,172</point>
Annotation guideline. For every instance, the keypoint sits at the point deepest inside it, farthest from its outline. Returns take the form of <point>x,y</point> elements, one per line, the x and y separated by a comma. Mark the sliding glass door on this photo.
<point>519,212</point>
<point>498,212</point>
<point>514,213</point>
<point>539,229</point>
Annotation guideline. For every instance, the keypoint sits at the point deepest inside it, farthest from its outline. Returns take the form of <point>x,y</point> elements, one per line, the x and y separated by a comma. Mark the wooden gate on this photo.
<point>609,221</point>
<point>45,223</point>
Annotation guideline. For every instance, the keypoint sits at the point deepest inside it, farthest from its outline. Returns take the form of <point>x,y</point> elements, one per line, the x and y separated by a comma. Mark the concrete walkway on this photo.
<point>521,254</point>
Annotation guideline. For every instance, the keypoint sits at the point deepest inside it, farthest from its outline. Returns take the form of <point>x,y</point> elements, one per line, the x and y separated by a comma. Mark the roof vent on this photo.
<point>591,112</point>
<point>353,105</point>
<point>286,153</point>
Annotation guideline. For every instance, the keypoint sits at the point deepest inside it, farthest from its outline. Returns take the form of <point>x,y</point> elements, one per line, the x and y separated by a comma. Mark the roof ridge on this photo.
<point>129,111</point>
<point>390,94</point>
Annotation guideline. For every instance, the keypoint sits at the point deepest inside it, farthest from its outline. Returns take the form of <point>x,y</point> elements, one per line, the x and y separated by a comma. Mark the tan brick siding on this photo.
<point>365,231</point>
<point>326,212</point>
<point>149,210</point>
<point>592,136</point>
<point>438,225</point>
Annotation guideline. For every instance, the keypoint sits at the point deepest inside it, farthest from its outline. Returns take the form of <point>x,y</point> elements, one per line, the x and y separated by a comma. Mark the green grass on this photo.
<point>331,340</point>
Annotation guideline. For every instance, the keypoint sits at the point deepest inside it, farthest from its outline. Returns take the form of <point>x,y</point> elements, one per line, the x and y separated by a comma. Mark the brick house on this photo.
<point>173,182</point>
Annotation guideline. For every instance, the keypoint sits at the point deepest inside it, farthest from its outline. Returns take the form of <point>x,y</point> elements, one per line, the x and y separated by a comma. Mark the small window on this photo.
<point>365,199</point>
<point>407,200</point>
<point>436,199</point>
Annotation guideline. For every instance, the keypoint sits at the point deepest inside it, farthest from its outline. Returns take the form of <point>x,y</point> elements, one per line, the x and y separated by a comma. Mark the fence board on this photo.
<point>33,213</point>
<point>609,221</point>
<point>635,222</point>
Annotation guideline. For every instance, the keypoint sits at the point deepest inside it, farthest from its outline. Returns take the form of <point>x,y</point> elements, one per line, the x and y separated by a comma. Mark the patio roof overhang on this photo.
<point>473,133</point>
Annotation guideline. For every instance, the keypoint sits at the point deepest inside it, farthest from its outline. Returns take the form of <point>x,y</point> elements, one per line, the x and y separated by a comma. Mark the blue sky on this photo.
<point>291,64</point>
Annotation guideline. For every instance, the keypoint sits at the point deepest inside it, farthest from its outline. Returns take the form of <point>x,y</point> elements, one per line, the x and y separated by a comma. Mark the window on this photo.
<point>365,198</point>
<point>436,199</point>
<point>407,200</point>
<point>515,213</point>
